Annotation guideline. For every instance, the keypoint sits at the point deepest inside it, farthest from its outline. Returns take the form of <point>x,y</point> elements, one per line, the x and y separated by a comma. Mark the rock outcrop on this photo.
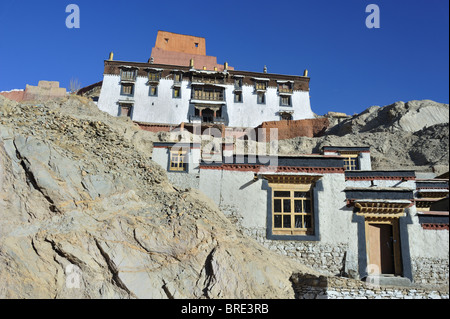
<point>84,213</point>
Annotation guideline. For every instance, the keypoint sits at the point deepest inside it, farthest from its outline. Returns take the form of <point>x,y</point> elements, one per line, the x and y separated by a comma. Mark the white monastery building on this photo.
<point>181,84</point>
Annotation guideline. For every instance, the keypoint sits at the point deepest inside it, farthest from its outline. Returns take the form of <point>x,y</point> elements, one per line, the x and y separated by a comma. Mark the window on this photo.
<point>285,100</point>
<point>209,94</point>
<point>176,92</point>
<point>177,77</point>
<point>196,45</point>
<point>153,90</point>
<point>260,86</point>
<point>284,88</point>
<point>350,162</point>
<point>127,89</point>
<point>128,75</point>
<point>238,96</point>
<point>292,211</point>
<point>178,161</point>
<point>238,84</point>
<point>154,76</point>
<point>261,98</point>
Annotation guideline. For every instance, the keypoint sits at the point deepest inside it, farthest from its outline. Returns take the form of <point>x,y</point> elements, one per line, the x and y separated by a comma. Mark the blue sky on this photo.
<point>351,67</point>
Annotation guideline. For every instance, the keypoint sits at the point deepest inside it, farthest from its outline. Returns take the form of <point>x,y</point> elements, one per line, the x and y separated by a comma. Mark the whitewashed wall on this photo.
<point>165,109</point>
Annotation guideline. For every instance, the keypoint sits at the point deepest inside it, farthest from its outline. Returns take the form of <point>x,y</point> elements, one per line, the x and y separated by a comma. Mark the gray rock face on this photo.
<point>411,116</point>
<point>84,213</point>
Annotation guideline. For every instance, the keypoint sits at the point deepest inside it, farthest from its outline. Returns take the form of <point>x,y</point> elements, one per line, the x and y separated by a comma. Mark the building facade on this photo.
<point>187,86</point>
<point>330,211</point>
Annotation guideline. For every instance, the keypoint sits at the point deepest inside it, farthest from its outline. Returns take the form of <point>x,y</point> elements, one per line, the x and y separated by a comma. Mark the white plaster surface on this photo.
<point>426,243</point>
<point>163,108</point>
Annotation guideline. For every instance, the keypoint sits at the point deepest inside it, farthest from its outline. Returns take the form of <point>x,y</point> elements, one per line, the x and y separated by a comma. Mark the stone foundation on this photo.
<point>326,258</point>
<point>308,286</point>
<point>430,271</point>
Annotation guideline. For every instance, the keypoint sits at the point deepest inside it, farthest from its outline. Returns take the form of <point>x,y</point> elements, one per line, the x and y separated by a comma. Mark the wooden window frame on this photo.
<point>351,162</point>
<point>285,88</point>
<point>238,97</point>
<point>177,78</point>
<point>122,91</point>
<point>289,100</point>
<point>260,86</point>
<point>178,161</point>
<point>155,87</point>
<point>291,214</point>
<point>175,89</point>
<point>154,76</point>
<point>128,75</point>
<point>263,98</point>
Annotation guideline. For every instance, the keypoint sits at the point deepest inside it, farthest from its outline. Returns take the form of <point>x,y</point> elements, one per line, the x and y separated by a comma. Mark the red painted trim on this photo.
<point>370,178</point>
<point>433,226</point>
<point>275,169</point>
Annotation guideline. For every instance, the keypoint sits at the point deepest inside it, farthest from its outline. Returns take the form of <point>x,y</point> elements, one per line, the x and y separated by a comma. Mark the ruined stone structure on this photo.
<point>44,91</point>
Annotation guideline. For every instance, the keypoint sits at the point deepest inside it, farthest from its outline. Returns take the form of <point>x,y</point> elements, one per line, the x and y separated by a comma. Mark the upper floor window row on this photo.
<point>128,74</point>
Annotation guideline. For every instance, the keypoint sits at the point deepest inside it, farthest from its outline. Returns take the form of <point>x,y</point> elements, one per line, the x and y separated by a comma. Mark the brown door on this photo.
<point>381,248</point>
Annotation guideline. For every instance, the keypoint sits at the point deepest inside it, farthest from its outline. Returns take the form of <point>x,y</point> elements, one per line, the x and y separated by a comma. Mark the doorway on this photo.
<point>381,248</point>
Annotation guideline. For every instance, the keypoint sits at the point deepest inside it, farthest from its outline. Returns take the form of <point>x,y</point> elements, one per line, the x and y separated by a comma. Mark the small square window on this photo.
<point>350,162</point>
<point>196,45</point>
<point>153,90</point>
<point>178,161</point>
<point>154,76</point>
<point>285,101</point>
<point>127,89</point>
<point>177,77</point>
<point>238,97</point>
<point>176,92</point>
<point>261,98</point>
<point>261,86</point>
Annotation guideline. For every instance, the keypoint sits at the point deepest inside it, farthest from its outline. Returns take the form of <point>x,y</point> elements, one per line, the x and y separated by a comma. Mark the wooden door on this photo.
<point>381,248</point>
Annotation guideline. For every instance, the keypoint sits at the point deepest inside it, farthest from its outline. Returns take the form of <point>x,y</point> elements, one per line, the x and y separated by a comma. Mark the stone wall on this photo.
<point>309,286</point>
<point>44,91</point>
<point>183,180</point>
<point>15,95</point>
<point>430,270</point>
<point>324,257</point>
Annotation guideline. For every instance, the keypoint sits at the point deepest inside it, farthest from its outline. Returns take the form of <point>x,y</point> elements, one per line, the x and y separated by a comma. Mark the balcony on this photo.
<point>208,95</point>
<point>207,119</point>
<point>128,76</point>
<point>285,90</point>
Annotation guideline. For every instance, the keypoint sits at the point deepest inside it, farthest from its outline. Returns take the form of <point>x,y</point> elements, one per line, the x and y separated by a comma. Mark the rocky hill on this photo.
<point>84,213</point>
<point>412,135</point>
